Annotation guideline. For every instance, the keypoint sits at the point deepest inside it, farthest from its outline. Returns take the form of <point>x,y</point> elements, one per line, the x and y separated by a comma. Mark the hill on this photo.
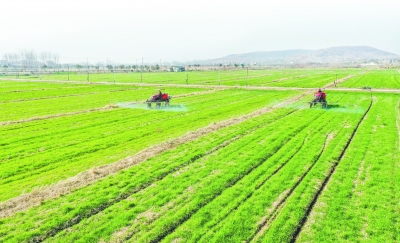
<point>328,55</point>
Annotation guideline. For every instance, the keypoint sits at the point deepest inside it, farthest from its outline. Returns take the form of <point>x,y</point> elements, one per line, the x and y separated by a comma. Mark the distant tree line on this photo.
<point>29,58</point>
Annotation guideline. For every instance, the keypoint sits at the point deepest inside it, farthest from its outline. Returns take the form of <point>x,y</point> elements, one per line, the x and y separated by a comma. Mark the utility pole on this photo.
<point>336,80</point>
<point>114,71</point>
<point>187,78</point>
<point>141,72</point>
<point>87,68</point>
<point>219,81</point>
<point>68,72</point>
<point>247,76</point>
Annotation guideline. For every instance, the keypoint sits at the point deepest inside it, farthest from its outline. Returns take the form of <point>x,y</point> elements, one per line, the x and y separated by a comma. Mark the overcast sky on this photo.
<point>186,30</point>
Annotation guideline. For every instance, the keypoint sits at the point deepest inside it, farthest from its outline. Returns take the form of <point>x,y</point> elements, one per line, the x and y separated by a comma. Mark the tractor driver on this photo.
<point>320,96</point>
<point>323,96</point>
<point>159,95</point>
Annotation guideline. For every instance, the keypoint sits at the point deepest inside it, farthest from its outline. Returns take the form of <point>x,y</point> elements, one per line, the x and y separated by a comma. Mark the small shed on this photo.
<point>177,69</point>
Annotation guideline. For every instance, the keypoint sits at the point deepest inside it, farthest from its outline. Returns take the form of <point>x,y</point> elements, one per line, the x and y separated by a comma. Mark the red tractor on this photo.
<point>158,99</point>
<point>319,98</point>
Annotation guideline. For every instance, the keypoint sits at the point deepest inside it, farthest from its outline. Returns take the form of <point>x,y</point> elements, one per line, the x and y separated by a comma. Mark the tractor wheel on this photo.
<point>158,105</point>
<point>149,105</point>
<point>311,104</point>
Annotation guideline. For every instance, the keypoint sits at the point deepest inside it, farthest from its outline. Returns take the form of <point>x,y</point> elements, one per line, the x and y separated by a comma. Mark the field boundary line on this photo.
<point>323,186</point>
<point>28,200</point>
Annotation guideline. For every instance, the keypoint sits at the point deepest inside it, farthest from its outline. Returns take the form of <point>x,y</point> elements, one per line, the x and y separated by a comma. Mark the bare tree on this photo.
<point>56,58</point>
<point>43,57</point>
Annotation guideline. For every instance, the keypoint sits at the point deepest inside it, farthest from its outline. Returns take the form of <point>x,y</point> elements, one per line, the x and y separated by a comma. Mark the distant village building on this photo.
<point>177,69</point>
<point>4,62</point>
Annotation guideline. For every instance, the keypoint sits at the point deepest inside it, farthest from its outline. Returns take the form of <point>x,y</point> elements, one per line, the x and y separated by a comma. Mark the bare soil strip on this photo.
<point>310,207</point>
<point>107,107</point>
<point>88,177</point>
<point>263,226</point>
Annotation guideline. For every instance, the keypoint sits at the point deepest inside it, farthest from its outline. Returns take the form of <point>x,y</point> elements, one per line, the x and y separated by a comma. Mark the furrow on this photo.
<point>327,178</point>
<point>264,225</point>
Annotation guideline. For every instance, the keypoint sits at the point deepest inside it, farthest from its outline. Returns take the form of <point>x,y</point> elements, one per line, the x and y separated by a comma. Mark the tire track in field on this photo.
<point>264,225</point>
<point>327,178</point>
<point>90,176</point>
<point>125,195</point>
<point>107,107</point>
